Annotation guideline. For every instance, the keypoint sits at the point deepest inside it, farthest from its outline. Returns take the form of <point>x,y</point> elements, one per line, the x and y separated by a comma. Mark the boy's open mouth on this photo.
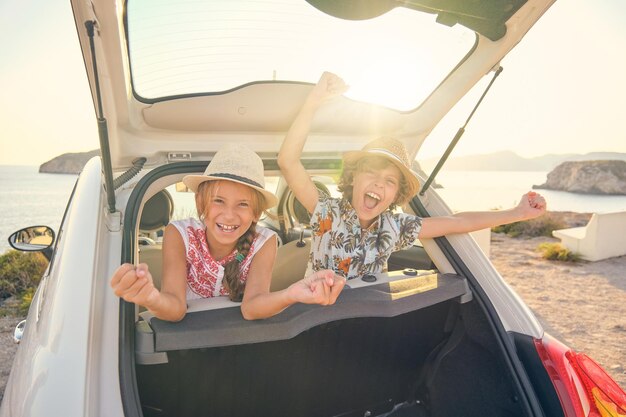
<point>371,200</point>
<point>226,228</point>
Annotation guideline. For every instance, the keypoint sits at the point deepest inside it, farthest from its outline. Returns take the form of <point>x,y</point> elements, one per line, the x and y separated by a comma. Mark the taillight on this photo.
<point>584,388</point>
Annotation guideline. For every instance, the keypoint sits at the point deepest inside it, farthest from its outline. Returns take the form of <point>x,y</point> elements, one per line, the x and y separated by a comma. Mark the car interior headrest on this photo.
<point>157,212</point>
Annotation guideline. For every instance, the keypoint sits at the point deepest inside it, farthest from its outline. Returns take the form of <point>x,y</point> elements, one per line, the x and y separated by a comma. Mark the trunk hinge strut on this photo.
<point>458,135</point>
<point>103,132</point>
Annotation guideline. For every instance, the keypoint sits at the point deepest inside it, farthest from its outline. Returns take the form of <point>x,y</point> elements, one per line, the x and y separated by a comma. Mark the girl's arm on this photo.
<point>135,285</point>
<point>321,287</point>
<point>531,205</point>
<point>298,179</point>
<point>172,305</point>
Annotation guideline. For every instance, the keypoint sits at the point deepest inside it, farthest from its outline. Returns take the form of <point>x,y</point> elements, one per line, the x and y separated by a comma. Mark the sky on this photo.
<point>562,89</point>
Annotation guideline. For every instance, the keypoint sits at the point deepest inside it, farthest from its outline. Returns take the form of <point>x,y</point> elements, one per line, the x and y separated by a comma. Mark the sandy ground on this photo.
<point>583,304</point>
<point>7,348</point>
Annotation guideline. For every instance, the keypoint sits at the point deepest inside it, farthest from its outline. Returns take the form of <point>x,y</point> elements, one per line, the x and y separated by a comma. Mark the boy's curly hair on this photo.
<point>351,168</point>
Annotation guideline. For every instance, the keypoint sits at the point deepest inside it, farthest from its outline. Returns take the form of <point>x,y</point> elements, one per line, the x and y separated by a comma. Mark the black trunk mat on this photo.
<point>345,367</point>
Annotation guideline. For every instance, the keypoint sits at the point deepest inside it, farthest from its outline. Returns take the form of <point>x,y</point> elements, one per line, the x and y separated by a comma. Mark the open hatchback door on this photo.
<point>439,334</point>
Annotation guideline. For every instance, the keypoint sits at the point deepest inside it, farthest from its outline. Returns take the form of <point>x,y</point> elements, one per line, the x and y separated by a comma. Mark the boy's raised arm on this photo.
<point>329,86</point>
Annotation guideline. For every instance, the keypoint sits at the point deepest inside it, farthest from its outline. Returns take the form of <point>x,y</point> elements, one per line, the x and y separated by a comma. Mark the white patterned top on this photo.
<point>205,274</point>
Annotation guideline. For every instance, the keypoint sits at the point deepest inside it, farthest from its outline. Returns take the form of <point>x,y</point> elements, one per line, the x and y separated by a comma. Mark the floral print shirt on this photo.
<point>339,243</point>
<point>205,274</point>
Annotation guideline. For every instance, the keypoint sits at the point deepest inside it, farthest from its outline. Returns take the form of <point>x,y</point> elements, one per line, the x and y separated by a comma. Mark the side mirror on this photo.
<point>33,239</point>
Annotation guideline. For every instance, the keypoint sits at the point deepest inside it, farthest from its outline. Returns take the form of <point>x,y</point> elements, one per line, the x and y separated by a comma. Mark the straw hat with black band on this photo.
<point>394,151</point>
<point>238,164</point>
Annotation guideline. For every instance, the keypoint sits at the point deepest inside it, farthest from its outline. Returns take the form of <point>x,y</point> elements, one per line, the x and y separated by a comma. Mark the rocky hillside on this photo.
<point>509,161</point>
<point>68,163</point>
<point>588,177</point>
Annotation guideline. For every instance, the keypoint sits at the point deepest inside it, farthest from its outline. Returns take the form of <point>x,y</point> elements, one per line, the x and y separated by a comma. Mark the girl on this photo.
<point>224,252</point>
<point>355,235</point>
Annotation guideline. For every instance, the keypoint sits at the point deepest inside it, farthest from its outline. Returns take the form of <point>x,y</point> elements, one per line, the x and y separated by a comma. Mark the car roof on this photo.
<point>172,83</point>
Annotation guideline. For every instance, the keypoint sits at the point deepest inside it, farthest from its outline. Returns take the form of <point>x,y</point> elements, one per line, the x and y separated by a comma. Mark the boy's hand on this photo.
<point>532,205</point>
<point>329,86</point>
<point>134,284</point>
<point>321,287</point>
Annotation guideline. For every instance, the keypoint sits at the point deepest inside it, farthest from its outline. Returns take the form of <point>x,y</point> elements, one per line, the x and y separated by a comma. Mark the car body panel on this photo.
<point>55,350</point>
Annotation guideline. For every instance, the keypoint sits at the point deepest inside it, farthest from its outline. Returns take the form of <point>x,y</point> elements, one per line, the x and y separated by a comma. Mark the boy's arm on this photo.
<point>321,287</point>
<point>289,158</point>
<point>531,205</point>
<point>298,179</point>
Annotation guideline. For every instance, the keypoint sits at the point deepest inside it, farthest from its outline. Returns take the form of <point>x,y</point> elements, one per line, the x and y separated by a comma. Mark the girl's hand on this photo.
<point>321,287</point>
<point>329,86</point>
<point>134,284</point>
<point>532,205</point>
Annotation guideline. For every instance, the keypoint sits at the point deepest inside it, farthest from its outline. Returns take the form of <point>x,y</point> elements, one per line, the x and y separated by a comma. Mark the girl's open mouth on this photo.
<point>226,228</point>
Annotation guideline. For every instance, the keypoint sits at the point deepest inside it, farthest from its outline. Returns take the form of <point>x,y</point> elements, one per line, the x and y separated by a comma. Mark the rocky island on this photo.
<point>68,163</point>
<point>588,177</point>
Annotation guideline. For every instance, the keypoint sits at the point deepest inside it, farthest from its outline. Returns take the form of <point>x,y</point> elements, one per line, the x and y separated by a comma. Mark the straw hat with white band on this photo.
<point>238,164</point>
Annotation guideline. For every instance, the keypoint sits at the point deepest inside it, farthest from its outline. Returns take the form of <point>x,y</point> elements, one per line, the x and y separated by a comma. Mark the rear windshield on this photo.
<point>205,47</point>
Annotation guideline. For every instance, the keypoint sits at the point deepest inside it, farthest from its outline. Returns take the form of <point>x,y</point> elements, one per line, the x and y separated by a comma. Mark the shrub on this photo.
<point>20,271</point>
<point>26,299</point>
<point>556,252</point>
<point>540,226</point>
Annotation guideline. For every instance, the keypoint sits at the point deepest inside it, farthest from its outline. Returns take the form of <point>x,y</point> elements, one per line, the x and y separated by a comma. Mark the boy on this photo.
<point>355,235</point>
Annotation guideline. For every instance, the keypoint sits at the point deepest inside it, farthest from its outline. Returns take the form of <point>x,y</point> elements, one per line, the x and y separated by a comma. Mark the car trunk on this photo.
<point>419,356</point>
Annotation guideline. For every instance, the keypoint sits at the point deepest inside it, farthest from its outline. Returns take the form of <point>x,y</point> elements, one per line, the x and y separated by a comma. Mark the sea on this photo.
<point>28,198</point>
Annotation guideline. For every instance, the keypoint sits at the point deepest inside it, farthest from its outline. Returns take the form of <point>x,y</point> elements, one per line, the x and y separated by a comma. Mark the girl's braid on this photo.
<point>232,273</point>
